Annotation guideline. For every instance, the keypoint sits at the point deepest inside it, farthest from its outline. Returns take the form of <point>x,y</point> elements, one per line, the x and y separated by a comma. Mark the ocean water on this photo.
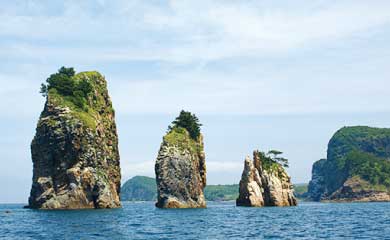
<point>221,220</point>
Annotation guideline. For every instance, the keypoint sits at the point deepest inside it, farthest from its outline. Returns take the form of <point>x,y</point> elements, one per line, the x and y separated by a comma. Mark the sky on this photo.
<point>259,75</point>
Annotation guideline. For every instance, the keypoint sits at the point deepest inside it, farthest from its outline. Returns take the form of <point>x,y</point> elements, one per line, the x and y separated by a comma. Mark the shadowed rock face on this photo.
<point>75,153</point>
<point>180,171</point>
<point>264,187</point>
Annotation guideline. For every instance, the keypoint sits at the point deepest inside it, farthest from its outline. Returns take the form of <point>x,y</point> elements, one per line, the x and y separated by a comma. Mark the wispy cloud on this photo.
<point>184,31</point>
<point>245,57</point>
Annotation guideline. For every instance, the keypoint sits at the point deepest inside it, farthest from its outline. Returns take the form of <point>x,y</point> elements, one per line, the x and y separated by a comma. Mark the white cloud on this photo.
<point>224,167</point>
<point>245,57</point>
<point>145,168</point>
<point>186,31</point>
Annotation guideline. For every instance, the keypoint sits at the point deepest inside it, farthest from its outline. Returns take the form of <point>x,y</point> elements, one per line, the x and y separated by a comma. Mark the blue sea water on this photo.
<point>221,220</point>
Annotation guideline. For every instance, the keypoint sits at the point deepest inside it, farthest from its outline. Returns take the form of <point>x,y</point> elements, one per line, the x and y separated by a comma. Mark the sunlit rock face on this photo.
<point>260,186</point>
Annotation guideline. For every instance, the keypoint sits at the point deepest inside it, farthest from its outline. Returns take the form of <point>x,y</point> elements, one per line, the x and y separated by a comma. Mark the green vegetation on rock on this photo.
<point>83,93</point>
<point>369,167</point>
<point>188,121</point>
<point>272,160</point>
<point>180,137</point>
<point>358,151</point>
<point>64,82</point>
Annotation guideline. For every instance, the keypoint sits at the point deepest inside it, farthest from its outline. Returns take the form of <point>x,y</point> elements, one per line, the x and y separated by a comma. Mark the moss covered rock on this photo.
<point>75,151</point>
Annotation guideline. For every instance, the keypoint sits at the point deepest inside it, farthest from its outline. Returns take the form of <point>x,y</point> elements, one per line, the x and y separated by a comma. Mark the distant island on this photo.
<point>357,167</point>
<point>141,188</point>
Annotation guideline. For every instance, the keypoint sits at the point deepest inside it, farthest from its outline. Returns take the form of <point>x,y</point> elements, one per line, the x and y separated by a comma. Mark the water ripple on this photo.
<point>218,221</point>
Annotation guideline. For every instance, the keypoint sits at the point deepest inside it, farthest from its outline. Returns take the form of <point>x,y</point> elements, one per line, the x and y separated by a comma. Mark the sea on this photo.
<point>220,220</point>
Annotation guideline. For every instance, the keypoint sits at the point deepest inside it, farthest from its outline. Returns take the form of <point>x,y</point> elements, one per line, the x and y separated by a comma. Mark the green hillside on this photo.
<point>139,188</point>
<point>142,188</point>
<point>221,192</point>
<point>359,151</point>
<point>300,190</point>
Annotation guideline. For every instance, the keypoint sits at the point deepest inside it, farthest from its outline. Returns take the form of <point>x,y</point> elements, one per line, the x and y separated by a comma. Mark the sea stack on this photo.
<point>75,149</point>
<point>264,182</point>
<point>180,166</point>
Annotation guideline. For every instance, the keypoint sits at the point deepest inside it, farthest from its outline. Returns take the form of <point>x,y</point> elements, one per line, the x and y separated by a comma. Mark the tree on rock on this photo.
<point>275,156</point>
<point>65,83</point>
<point>188,121</point>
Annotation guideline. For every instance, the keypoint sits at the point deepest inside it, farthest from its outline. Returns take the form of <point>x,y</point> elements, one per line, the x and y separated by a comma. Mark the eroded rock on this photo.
<point>180,171</point>
<point>75,152</point>
<point>261,186</point>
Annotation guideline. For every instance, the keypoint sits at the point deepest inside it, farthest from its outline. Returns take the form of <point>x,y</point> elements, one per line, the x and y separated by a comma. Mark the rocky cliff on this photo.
<point>316,188</point>
<point>264,184</point>
<point>75,150</point>
<point>357,167</point>
<point>180,171</point>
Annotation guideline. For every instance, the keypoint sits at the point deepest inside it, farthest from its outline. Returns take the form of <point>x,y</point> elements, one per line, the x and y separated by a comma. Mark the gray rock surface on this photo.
<point>180,171</point>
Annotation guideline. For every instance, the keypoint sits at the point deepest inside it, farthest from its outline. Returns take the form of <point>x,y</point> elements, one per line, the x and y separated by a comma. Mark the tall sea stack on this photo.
<point>264,182</point>
<point>180,166</point>
<point>75,150</point>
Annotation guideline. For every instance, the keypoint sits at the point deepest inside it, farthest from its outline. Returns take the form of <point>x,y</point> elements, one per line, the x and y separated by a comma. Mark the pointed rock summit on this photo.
<point>75,150</point>
<point>180,166</point>
<point>264,182</point>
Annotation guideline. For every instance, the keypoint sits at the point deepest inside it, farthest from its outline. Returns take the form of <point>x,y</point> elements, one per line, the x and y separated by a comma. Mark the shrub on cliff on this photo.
<point>67,85</point>
<point>273,158</point>
<point>369,167</point>
<point>188,121</point>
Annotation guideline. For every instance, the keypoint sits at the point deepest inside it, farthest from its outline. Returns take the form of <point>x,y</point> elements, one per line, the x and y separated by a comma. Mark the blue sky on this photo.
<point>259,74</point>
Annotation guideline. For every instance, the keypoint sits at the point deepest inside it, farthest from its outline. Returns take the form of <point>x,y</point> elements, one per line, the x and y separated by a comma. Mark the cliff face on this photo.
<point>356,157</point>
<point>317,186</point>
<point>75,151</point>
<point>261,185</point>
<point>180,171</point>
